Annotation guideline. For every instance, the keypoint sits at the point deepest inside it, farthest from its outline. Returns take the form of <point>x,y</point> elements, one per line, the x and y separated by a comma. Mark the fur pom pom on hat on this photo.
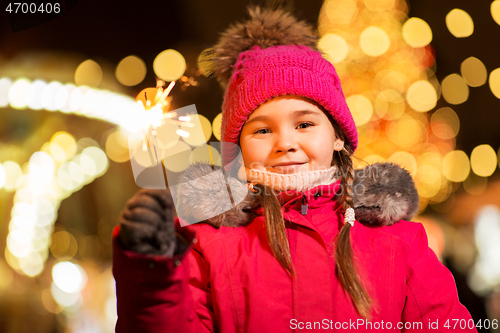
<point>271,55</point>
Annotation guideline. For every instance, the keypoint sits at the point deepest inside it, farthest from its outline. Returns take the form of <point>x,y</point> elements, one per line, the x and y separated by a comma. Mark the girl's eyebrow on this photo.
<point>296,114</point>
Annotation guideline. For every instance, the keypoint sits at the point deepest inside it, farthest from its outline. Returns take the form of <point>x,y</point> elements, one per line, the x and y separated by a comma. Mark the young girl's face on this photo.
<point>288,129</point>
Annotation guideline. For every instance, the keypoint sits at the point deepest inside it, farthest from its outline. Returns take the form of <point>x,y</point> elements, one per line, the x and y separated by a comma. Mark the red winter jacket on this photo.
<point>229,281</point>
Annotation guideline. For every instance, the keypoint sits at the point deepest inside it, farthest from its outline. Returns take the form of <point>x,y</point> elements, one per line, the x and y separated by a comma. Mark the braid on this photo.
<point>343,252</point>
<point>275,227</point>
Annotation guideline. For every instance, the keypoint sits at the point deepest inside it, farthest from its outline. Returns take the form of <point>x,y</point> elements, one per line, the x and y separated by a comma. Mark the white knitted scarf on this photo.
<point>302,181</point>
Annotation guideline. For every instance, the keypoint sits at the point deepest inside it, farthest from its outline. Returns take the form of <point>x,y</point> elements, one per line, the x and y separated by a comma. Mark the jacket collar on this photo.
<point>383,193</point>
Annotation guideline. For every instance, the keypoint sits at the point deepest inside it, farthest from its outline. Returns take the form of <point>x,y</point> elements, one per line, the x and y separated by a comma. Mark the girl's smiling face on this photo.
<point>288,129</point>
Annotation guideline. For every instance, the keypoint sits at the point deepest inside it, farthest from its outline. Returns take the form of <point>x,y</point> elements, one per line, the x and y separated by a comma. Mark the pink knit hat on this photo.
<point>262,73</point>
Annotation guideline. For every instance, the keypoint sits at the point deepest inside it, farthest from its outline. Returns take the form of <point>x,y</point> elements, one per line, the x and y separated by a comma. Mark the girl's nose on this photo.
<point>285,142</point>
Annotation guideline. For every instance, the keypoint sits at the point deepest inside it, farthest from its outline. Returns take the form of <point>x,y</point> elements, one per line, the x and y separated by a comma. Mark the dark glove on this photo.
<point>147,223</point>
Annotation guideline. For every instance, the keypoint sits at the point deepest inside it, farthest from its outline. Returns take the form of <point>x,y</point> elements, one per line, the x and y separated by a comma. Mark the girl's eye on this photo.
<point>260,131</point>
<point>306,124</point>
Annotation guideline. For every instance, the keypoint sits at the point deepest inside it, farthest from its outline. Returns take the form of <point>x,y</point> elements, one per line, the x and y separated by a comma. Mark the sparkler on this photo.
<point>153,101</point>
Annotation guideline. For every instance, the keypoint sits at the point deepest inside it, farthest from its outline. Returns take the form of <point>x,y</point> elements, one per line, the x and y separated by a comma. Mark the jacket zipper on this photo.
<point>304,204</point>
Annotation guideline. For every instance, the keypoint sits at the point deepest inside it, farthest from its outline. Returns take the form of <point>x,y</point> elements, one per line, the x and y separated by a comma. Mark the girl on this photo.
<point>314,245</point>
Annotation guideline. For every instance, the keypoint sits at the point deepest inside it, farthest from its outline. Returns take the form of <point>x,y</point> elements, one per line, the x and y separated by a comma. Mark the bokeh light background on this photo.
<point>421,79</point>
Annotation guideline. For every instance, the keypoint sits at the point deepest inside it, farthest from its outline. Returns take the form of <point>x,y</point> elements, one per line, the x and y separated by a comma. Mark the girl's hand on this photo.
<point>147,223</point>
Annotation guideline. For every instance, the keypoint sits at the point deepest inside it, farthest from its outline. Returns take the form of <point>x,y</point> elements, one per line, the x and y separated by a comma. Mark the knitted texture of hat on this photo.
<point>262,74</point>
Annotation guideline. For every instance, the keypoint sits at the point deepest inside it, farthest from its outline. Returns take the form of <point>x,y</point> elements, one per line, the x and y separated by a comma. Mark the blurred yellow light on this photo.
<point>455,90</point>
<point>370,132</point>
<point>63,245</point>
<point>361,109</point>
<point>374,41</point>
<point>205,62</point>
<point>49,302</point>
<point>404,159</point>
<point>90,249</point>
<point>459,23</point>
<point>495,11</point>
<point>144,158</point>
<point>200,133</point>
<point>456,167</point>
<point>176,158</point>
<point>2,175</point>
<point>341,12</point>
<point>88,73</point>
<point>69,277</point>
<point>63,146</point>
<point>17,93</point>
<point>379,5</point>
<point>334,47</point>
<point>405,132</point>
<point>494,82</point>
<point>392,80</point>
<point>429,181</point>
<point>475,185</point>
<point>483,160</point>
<point>166,136</point>
<point>421,96</point>
<point>202,154</point>
<point>445,123</point>
<point>416,32</point>
<point>116,148</point>
<point>374,159</point>
<point>474,72</point>
<point>11,259</point>
<point>6,276</point>
<point>169,65</point>
<point>216,126</point>
<point>130,71</point>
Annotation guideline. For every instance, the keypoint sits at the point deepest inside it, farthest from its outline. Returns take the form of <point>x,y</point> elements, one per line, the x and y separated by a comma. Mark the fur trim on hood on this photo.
<point>384,193</point>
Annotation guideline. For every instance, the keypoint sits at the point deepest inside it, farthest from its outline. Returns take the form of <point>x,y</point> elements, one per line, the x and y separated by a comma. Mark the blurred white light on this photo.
<point>48,95</point>
<point>32,264</point>
<point>41,164</point>
<point>63,298</point>
<point>487,236</point>
<point>34,94</point>
<point>5,85</point>
<point>88,102</point>
<point>22,208</point>
<point>45,212</point>
<point>76,173</point>
<point>99,158</point>
<point>2,175</point>
<point>12,174</point>
<point>17,93</point>
<point>75,100</point>
<point>64,177</point>
<point>69,277</point>
<point>19,243</point>
<point>21,223</point>
<point>69,88</point>
<point>61,98</point>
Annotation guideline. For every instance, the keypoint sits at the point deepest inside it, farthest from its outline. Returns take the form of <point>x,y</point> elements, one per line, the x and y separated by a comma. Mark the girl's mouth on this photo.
<point>290,168</point>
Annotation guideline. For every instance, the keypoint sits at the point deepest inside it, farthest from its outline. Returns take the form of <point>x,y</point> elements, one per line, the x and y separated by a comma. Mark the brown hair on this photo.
<point>345,266</point>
